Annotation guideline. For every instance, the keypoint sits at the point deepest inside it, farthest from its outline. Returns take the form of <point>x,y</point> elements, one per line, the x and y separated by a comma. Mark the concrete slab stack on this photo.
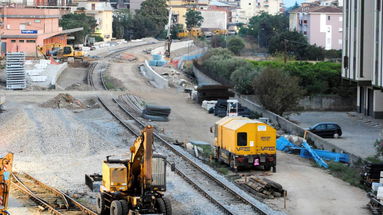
<point>15,71</point>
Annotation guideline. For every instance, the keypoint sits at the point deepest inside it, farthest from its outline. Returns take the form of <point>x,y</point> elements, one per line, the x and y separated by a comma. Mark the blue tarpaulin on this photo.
<point>314,155</point>
<point>306,151</point>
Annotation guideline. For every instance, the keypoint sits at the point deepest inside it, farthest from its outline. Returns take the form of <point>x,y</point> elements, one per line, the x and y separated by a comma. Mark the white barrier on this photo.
<point>156,79</point>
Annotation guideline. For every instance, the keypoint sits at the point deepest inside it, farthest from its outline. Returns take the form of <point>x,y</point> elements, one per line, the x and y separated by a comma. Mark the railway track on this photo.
<point>49,198</point>
<point>224,194</point>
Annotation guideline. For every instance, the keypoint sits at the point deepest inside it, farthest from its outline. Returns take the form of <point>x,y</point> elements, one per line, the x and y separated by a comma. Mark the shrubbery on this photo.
<point>315,78</point>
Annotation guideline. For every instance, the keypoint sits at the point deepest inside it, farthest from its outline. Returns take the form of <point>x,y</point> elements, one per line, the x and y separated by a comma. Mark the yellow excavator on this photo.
<point>135,185</point>
<point>60,51</point>
<point>5,181</point>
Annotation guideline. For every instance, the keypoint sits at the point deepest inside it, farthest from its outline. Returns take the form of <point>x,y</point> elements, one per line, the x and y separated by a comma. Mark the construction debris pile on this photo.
<point>264,188</point>
<point>64,100</point>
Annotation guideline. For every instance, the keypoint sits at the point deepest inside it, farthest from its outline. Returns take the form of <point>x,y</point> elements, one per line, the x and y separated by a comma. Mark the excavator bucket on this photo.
<point>6,161</point>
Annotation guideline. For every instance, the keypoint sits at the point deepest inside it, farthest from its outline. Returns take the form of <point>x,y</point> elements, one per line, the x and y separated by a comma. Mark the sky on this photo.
<point>289,3</point>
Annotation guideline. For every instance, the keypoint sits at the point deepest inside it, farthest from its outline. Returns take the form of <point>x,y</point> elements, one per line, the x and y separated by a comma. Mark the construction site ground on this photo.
<point>59,146</point>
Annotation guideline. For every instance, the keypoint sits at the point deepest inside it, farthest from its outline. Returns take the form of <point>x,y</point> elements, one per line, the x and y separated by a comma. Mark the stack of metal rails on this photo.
<point>15,71</point>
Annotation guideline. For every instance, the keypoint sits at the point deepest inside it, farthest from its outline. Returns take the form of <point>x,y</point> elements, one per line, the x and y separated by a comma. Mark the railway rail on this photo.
<point>225,195</point>
<point>51,199</point>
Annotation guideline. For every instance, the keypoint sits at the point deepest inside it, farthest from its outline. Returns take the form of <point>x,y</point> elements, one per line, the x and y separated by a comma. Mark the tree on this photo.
<point>265,26</point>
<point>144,27</point>
<point>291,41</point>
<point>277,91</point>
<point>71,20</point>
<point>236,44</point>
<point>122,23</point>
<point>151,18</point>
<point>218,41</point>
<point>243,77</point>
<point>193,19</point>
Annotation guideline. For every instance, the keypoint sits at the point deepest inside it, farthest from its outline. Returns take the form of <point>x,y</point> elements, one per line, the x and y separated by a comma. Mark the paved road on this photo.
<point>359,133</point>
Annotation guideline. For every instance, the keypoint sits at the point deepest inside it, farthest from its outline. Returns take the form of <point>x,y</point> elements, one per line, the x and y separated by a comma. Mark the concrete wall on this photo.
<point>327,103</point>
<point>292,128</point>
<point>156,79</point>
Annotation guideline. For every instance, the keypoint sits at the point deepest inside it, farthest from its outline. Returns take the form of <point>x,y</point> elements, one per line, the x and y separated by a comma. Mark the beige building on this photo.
<point>103,13</point>
<point>250,8</point>
<point>363,53</point>
<point>180,7</point>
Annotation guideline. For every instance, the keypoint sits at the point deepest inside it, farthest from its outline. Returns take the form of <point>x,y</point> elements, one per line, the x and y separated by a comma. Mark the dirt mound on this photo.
<point>79,86</point>
<point>64,100</point>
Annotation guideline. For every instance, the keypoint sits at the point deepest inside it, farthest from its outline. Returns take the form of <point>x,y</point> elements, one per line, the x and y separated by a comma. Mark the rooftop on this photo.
<point>318,9</point>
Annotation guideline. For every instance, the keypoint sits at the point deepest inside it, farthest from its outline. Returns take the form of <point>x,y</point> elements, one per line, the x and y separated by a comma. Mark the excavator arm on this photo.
<point>141,157</point>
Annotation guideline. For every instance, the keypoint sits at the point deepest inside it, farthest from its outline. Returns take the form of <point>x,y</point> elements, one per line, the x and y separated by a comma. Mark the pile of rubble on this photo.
<point>64,100</point>
<point>264,188</point>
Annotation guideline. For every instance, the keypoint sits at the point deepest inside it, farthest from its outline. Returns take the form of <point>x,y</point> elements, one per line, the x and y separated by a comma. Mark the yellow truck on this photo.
<point>242,142</point>
<point>6,161</point>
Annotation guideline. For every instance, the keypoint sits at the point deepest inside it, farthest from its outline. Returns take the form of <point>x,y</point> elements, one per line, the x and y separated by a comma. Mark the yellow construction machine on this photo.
<point>60,51</point>
<point>194,32</point>
<point>135,185</point>
<point>5,181</point>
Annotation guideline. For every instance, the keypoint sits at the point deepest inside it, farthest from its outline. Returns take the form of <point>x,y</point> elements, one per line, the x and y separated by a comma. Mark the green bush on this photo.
<point>243,77</point>
<point>235,45</point>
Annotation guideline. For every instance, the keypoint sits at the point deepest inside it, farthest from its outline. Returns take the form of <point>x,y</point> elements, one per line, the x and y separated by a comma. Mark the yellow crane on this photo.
<point>135,185</point>
<point>6,162</point>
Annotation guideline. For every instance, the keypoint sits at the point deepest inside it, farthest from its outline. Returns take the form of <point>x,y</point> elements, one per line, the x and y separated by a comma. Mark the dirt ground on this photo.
<point>59,146</point>
<point>310,190</point>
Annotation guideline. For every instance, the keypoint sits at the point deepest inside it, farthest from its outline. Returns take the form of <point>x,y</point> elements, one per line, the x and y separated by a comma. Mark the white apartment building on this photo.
<point>250,8</point>
<point>363,53</point>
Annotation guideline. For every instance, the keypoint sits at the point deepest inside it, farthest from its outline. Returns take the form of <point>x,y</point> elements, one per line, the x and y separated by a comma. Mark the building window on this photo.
<point>37,20</point>
<point>21,41</point>
<point>13,41</point>
<point>305,21</point>
<point>31,41</point>
<point>249,3</point>
<point>328,18</point>
<point>93,6</point>
<point>305,32</point>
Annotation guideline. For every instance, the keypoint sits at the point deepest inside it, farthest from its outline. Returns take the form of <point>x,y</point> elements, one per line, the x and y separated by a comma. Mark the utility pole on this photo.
<point>285,45</point>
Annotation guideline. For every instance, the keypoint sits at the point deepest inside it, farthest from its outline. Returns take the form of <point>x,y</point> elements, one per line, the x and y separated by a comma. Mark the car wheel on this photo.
<point>336,135</point>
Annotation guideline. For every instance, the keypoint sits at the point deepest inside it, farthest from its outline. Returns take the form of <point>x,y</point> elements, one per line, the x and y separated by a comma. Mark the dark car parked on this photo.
<point>326,129</point>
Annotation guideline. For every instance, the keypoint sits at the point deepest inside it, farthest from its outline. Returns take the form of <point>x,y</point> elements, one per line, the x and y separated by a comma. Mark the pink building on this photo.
<point>322,25</point>
<point>23,29</point>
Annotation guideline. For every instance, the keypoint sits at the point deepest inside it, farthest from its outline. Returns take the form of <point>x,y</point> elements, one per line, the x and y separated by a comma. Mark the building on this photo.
<point>363,52</point>
<point>322,25</point>
<point>135,5</point>
<point>214,19</point>
<point>23,29</point>
<point>103,13</point>
<point>34,3</point>
<point>180,7</point>
<point>250,8</point>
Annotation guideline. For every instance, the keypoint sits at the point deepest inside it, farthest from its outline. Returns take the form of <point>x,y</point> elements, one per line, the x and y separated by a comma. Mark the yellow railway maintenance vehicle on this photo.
<point>5,181</point>
<point>242,142</point>
<point>135,185</point>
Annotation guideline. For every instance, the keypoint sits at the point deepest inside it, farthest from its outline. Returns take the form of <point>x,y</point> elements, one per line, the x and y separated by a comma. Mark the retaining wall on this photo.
<point>327,103</point>
<point>155,78</point>
<point>293,128</point>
